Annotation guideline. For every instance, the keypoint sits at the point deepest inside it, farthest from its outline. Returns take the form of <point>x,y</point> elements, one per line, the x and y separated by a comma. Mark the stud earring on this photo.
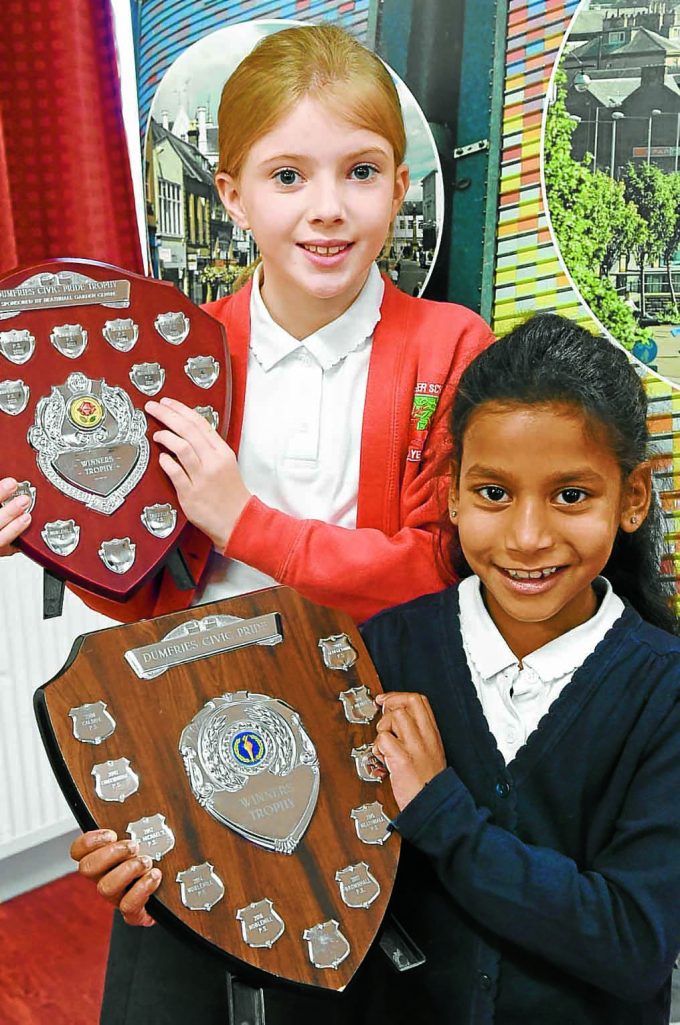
<point>454,513</point>
<point>633,519</point>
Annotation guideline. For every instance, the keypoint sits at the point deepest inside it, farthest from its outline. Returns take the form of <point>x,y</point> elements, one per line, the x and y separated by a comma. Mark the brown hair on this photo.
<point>318,60</point>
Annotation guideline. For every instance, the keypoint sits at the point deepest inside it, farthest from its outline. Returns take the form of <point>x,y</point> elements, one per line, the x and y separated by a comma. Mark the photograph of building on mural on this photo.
<point>611,159</point>
<point>192,242</point>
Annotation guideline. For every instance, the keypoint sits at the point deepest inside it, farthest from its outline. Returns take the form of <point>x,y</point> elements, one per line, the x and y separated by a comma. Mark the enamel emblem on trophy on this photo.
<point>83,346</point>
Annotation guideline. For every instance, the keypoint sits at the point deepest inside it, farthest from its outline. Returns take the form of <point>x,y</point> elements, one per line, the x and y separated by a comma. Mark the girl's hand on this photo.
<point>408,743</point>
<point>123,879</point>
<point>204,471</point>
<point>13,517</point>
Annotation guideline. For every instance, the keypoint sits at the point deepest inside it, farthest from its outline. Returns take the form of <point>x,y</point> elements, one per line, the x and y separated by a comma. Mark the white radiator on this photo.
<point>32,650</point>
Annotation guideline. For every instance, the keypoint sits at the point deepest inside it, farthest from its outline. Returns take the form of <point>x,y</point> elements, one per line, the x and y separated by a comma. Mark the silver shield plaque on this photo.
<point>326,946</point>
<point>200,887</point>
<point>366,763</point>
<point>337,652</point>
<point>13,397</point>
<point>358,705</point>
<point>115,780</point>
<point>61,536</point>
<point>253,767</point>
<point>261,926</point>
<point>90,442</point>
<point>160,519</point>
<point>202,370</point>
<point>358,886</point>
<point>173,327</point>
<point>371,823</point>
<point>209,414</point>
<point>24,487</point>
<point>118,554</point>
<point>153,835</point>
<point>69,339</point>
<point>92,724</point>
<point>17,346</point>
<point>122,333</point>
<point>148,378</point>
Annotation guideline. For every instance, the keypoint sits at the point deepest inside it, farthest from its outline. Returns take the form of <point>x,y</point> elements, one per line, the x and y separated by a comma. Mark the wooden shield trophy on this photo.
<point>233,741</point>
<point>83,345</point>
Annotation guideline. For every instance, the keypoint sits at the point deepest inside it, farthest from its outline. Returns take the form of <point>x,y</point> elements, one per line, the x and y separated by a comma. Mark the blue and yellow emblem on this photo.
<point>248,747</point>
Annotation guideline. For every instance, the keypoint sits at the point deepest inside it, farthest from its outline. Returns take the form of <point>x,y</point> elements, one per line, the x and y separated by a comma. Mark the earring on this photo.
<point>633,519</point>
<point>454,513</point>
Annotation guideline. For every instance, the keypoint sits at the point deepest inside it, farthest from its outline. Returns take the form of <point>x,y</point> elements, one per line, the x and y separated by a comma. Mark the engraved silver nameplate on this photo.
<point>261,926</point>
<point>371,823</point>
<point>90,442</point>
<point>358,705</point>
<point>201,638</point>
<point>122,334</point>
<point>118,554</point>
<point>69,339</point>
<point>65,288</point>
<point>61,536</point>
<point>17,346</point>
<point>13,397</point>
<point>326,945</point>
<point>25,488</point>
<point>365,761</point>
<point>115,780</point>
<point>160,519</point>
<point>209,414</point>
<point>202,370</point>
<point>148,378</point>
<point>200,887</point>
<point>253,767</point>
<point>337,652</point>
<point>173,327</point>
<point>358,887</point>
<point>92,723</point>
<point>153,835</point>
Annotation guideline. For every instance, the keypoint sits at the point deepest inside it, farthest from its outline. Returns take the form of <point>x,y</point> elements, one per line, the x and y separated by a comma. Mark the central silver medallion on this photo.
<point>252,765</point>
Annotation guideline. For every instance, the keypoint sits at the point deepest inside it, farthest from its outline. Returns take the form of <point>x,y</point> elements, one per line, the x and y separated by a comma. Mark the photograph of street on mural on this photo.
<point>611,153</point>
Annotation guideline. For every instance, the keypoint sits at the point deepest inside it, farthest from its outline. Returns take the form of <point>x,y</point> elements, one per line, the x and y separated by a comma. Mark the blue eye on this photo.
<point>571,496</point>
<point>287,176</point>
<point>363,172</point>
<point>493,493</point>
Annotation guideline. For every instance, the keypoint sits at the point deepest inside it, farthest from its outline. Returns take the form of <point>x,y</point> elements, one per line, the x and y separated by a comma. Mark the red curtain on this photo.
<point>65,184</point>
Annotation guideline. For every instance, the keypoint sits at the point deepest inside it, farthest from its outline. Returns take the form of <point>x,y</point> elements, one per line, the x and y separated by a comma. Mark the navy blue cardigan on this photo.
<point>547,890</point>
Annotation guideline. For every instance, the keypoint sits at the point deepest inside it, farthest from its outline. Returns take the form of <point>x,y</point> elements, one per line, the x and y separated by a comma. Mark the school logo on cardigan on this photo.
<point>425,402</point>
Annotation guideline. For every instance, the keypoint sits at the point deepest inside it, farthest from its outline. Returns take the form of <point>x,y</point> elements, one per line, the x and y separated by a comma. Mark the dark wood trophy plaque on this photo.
<point>83,346</point>
<point>234,740</point>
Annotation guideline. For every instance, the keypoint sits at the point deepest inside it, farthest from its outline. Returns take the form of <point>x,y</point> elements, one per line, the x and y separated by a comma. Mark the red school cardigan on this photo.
<point>420,348</point>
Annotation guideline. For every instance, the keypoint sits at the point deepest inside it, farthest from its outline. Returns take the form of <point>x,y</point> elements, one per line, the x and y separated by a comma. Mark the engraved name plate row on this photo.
<point>83,346</point>
<point>224,739</point>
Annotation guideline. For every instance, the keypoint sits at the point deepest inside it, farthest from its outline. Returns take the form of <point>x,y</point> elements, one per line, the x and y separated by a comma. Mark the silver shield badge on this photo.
<point>174,327</point>
<point>69,339</point>
<point>358,887</point>
<point>337,652</point>
<point>358,705</point>
<point>24,487</point>
<point>326,945</point>
<point>366,763</point>
<point>209,414</point>
<point>160,519</point>
<point>17,346</point>
<point>92,723</point>
<point>202,370</point>
<point>153,835</point>
<point>13,397</point>
<point>118,554</point>
<point>61,536</point>
<point>200,887</point>
<point>148,378</point>
<point>122,334</point>
<point>253,767</point>
<point>261,926</point>
<point>371,823</point>
<point>115,780</point>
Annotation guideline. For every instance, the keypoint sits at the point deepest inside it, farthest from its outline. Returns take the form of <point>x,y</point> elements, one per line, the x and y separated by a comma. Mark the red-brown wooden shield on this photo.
<point>83,346</point>
<point>278,912</point>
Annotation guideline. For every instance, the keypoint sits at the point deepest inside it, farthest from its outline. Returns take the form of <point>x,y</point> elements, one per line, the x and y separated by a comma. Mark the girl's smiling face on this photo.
<point>538,503</point>
<point>319,194</point>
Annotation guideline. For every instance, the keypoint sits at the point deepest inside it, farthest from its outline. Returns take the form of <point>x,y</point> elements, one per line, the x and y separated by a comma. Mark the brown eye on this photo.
<point>571,496</point>
<point>493,493</point>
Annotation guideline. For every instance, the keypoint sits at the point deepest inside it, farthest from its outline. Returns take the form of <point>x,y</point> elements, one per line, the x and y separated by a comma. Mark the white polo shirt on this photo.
<point>302,422</point>
<point>515,698</point>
